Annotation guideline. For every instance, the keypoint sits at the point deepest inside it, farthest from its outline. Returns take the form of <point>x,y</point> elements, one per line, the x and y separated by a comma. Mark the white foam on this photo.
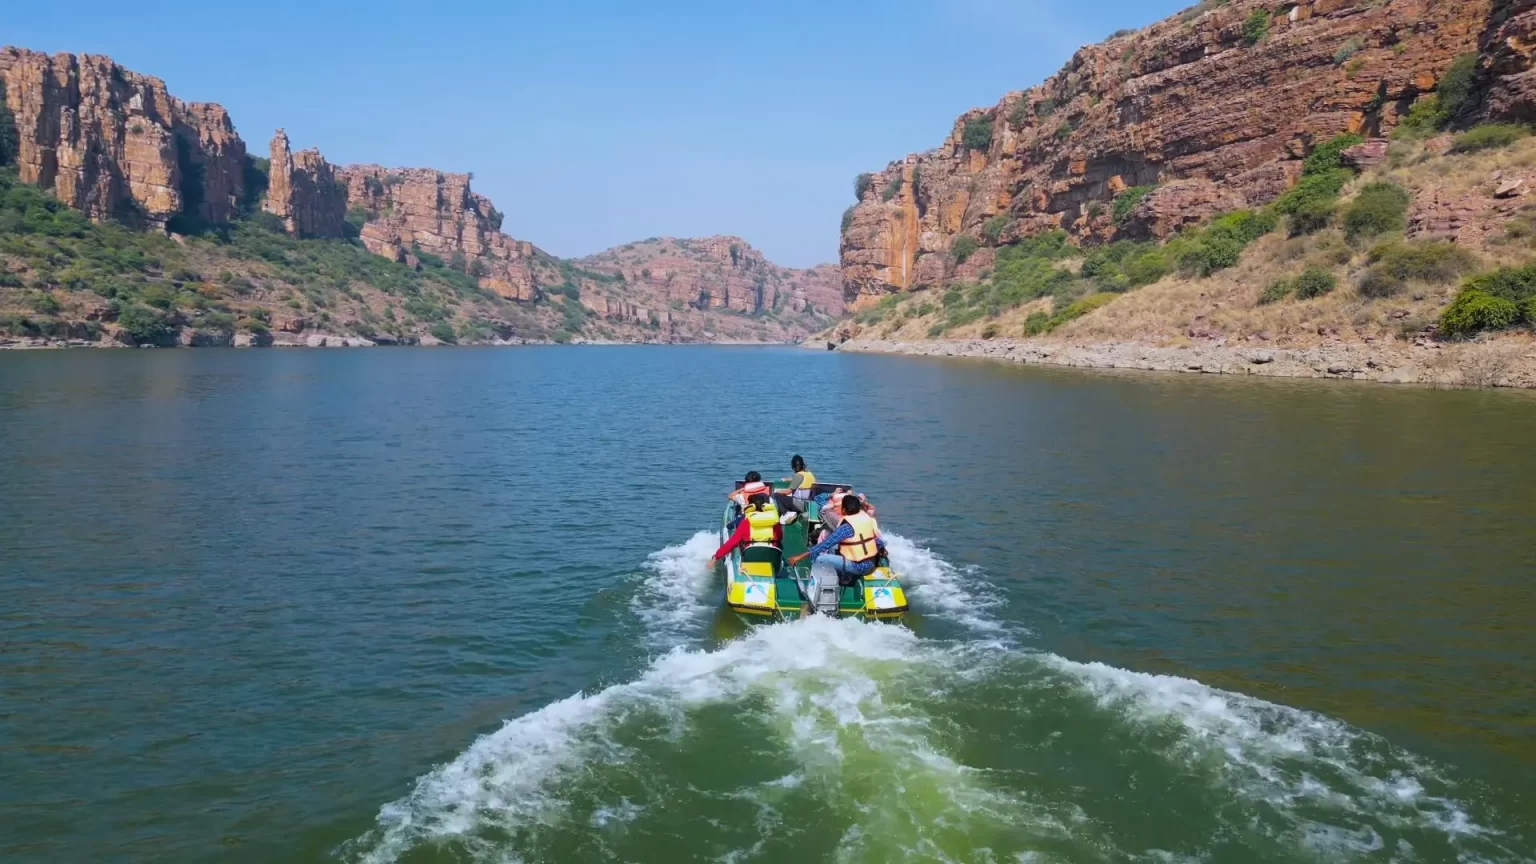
<point>501,780</point>
<point>672,599</point>
<point>1275,754</point>
<point>938,588</point>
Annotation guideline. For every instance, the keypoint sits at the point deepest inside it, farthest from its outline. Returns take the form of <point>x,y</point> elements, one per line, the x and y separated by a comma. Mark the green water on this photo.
<point>453,605</point>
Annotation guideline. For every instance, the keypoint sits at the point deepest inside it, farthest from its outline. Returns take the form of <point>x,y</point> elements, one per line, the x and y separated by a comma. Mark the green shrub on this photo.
<point>1313,282</point>
<point>1489,136</point>
<point>1457,85</point>
<point>1256,26</point>
<point>146,326</point>
<point>861,185</point>
<point>1018,115</point>
<point>892,189</point>
<point>560,337</point>
<point>993,229</point>
<point>1377,283</point>
<point>1127,200</point>
<point>1474,311</point>
<point>1432,261</point>
<point>989,331</point>
<point>1310,203</point>
<point>1380,207</point>
<point>1243,226</point>
<point>1349,49</point>
<point>1423,119</point>
<point>218,321</point>
<point>1045,107</point>
<point>1326,157</point>
<point>962,248</point>
<point>1516,284</point>
<point>1276,291</point>
<point>847,218</point>
<point>1205,255</point>
<point>1037,323</point>
<point>44,303</point>
<point>977,133</point>
<point>442,331</point>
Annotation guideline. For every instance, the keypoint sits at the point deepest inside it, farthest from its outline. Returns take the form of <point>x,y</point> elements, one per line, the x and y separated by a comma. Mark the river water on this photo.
<point>453,605</point>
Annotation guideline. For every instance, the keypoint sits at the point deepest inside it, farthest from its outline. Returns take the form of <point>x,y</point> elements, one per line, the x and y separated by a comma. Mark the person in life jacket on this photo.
<point>752,485</point>
<point>801,484</point>
<point>857,541</point>
<point>759,524</point>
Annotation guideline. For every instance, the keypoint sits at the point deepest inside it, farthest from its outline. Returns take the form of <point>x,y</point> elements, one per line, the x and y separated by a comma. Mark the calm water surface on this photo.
<point>453,605</point>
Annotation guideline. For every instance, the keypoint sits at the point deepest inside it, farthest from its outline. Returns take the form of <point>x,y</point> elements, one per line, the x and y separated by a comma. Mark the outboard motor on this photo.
<point>826,592</point>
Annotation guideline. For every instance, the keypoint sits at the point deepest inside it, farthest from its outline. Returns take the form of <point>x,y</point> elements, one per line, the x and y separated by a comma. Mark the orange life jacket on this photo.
<point>861,546</point>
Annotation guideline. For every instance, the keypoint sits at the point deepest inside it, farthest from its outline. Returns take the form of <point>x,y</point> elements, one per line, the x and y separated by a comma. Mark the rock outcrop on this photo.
<point>415,210</point>
<point>303,191</point>
<point>115,144</point>
<point>724,273</point>
<point>1195,106</point>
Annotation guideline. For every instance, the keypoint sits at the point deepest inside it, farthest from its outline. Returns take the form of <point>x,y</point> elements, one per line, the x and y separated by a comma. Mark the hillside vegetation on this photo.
<point>1433,243</point>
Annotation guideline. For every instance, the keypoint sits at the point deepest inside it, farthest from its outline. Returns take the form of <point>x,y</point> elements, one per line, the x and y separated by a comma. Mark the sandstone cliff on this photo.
<point>1215,108</point>
<point>413,210</point>
<point>302,190</point>
<point>115,144</point>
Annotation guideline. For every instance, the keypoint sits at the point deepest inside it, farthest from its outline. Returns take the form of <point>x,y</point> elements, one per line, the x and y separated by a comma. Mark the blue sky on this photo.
<point>595,123</point>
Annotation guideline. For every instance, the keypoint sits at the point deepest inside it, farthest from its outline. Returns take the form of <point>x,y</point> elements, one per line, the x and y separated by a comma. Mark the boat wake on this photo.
<point>939,589</point>
<point>676,585</point>
<point>836,740</point>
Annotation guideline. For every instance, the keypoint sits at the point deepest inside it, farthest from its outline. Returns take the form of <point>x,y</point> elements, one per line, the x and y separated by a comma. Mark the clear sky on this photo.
<point>591,124</point>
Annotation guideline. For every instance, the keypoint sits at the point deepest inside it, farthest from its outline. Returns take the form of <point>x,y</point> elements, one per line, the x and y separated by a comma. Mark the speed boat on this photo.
<point>760,586</point>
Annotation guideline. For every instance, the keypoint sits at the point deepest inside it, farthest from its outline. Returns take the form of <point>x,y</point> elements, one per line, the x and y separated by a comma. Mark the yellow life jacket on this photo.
<point>763,521</point>
<point>861,546</point>
<point>810,479</point>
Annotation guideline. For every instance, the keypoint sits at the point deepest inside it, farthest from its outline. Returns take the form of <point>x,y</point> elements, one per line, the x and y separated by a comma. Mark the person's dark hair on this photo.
<point>754,477</point>
<point>852,504</point>
<point>759,501</point>
<point>796,463</point>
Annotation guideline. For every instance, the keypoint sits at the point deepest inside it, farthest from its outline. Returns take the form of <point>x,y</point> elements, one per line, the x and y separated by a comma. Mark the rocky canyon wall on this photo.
<point>412,210</point>
<point>719,272</point>
<point>1214,108</point>
<point>303,191</point>
<point>115,144</point>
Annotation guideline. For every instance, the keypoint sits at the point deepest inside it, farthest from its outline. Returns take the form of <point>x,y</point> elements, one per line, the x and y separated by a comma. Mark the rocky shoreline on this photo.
<point>324,340</point>
<point>1505,362</point>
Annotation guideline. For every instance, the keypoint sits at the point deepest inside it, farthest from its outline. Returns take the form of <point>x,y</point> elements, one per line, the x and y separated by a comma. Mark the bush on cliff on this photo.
<point>963,247</point>
<point>1127,200</point>
<point>892,189</point>
<point>977,133</point>
<point>1424,119</point>
<point>861,185</point>
<point>1328,156</point>
<point>1379,208</point>
<point>993,228</point>
<point>1256,26</point>
<point>1458,85</point>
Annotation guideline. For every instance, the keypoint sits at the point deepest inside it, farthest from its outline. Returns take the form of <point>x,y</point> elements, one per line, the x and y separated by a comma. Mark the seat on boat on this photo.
<point>761,559</point>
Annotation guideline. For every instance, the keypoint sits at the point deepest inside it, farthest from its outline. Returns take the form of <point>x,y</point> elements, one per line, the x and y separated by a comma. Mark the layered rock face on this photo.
<point>1509,55</point>
<point>1213,118</point>
<point>303,191</point>
<point>115,144</point>
<point>412,209</point>
<point>719,273</point>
